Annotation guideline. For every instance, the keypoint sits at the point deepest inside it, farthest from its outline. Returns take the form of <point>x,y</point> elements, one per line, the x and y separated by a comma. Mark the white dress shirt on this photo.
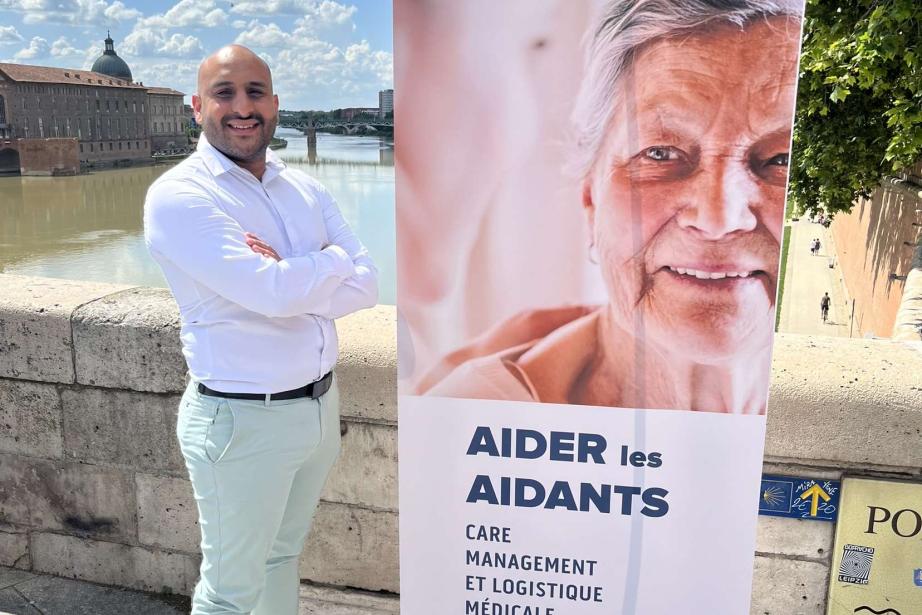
<point>251,324</point>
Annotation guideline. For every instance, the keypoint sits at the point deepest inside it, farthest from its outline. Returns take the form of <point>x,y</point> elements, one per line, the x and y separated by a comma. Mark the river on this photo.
<point>89,227</point>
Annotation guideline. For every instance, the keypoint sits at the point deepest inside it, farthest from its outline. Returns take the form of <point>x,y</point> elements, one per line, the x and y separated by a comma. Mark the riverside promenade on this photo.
<point>806,278</point>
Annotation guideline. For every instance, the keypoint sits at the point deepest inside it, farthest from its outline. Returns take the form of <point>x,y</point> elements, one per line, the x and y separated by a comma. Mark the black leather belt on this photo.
<point>313,390</point>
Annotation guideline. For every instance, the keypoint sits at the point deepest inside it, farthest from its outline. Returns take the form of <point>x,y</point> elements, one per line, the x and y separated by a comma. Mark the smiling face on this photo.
<point>686,198</point>
<point>236,107</point>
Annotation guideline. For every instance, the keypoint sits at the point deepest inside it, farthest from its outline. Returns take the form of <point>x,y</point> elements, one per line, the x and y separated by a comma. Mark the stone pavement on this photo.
<point>806,279</point>
<point>27,593</point>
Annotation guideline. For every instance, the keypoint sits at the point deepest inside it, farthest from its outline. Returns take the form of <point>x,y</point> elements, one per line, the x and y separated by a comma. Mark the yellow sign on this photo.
<point>877,557</point>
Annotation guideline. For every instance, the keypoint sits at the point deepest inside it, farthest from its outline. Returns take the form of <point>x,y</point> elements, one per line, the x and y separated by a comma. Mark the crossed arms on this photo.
<point>184,225</point>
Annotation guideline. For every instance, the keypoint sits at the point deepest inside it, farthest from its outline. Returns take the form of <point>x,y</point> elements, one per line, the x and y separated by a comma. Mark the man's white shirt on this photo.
<point>251,324</point>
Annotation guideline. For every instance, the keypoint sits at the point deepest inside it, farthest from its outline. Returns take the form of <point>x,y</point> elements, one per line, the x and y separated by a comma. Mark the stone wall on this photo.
<point>874,241</point>
<point>92,484</point>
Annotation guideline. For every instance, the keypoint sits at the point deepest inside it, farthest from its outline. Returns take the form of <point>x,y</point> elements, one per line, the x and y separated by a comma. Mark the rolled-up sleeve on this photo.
<point>184,225</point>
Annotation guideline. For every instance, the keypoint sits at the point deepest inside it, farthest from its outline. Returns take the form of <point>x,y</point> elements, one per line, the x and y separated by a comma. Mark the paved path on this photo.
<point>27,593</point>
<point>806,279</point>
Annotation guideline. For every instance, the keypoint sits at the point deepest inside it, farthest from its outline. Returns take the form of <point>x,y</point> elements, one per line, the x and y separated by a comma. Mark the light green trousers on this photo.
<point>257,470</point>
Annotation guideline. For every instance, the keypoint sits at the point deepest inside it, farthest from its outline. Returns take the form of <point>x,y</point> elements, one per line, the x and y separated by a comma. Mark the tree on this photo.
<point>859,100</point>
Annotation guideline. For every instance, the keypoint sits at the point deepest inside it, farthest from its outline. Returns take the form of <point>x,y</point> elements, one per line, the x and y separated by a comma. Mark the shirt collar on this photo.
<point>219,164</point>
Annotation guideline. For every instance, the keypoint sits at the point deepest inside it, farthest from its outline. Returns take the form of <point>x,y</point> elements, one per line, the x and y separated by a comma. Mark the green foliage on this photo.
<point>859,100</point>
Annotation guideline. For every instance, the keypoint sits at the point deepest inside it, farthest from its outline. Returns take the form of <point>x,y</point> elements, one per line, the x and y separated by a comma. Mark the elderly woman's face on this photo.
<point>686,198</point>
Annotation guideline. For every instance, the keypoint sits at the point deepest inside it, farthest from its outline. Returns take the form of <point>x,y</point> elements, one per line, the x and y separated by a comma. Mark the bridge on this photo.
<point>354,126</point>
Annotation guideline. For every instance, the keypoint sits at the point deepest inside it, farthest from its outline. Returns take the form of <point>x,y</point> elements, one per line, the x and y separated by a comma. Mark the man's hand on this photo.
<point>261,247</point>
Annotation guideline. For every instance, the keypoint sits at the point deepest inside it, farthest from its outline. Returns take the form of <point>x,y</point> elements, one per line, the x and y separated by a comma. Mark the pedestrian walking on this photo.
<point>260,261</point>
<point>824,306</point>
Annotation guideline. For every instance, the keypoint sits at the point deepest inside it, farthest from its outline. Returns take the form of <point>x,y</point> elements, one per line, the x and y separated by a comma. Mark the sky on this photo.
<point>324,54</point>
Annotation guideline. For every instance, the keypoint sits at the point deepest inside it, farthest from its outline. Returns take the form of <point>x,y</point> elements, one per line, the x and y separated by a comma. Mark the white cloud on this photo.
<point>72,12</point>
<point>179,46</point>
<point>62,48</point>
<point>119,12</point>
<point>260,35</point>
<point>320,12</point>
<point>343,77</point>
<point>38,48</point>
<point>9,35</point>
<point>239,23</point>
<point>145,41</point>
<point>179,75</point>
<point>188,13</point>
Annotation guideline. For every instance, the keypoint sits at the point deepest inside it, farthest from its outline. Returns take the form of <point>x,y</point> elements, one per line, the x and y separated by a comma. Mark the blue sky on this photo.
<point>324,54</point>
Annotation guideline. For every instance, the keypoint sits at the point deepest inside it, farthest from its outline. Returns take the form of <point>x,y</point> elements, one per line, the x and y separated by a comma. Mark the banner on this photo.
<point>877,556</point>
<point>590,199</point>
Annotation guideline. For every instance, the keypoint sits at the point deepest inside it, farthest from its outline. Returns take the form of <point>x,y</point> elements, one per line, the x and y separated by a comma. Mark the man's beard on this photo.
<point>217,135</point>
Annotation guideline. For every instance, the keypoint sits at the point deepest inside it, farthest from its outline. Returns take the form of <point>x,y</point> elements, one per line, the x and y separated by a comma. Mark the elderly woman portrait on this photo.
<point>680,135</point>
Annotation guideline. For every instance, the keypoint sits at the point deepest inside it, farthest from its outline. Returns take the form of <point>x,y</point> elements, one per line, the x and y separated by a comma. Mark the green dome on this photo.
<point>110,64</point>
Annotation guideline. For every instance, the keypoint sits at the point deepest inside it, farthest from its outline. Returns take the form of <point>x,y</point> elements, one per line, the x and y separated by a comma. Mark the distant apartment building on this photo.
<point>356,113</point>
<point>385,102</point>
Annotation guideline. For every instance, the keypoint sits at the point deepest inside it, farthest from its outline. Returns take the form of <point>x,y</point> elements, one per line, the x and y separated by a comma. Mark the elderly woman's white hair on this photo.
<point>625,26</point>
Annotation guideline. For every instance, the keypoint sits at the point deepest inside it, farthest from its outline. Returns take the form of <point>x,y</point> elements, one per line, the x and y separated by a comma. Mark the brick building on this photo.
<point>168,122</point>
<point>114,119</point>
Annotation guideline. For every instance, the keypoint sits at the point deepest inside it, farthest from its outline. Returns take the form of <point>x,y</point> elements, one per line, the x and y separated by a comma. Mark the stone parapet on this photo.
<point>92,484</point>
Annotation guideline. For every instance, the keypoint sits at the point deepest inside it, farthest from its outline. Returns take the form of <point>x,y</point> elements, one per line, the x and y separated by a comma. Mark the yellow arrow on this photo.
<point>816,492</point>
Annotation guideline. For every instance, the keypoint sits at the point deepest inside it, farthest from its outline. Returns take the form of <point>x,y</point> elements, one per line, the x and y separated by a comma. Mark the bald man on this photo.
<point>261,262</point>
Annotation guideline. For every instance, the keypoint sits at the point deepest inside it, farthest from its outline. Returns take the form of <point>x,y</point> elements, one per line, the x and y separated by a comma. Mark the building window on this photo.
<point>110,146</point>
<point>142,107</point>
<point>129,144</point>
<point>41,129</point>
<point>134,107</point>
<point>2,111</point>
<point>107,105</point>
<point>97,102</point>
<point>137,145</point>
<point>91,147</point>
<point>119,145</point>
<point>81,148</point>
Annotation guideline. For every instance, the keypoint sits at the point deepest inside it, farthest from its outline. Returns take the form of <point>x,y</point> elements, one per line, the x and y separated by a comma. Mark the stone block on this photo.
<point>800,538</point>
<point>789,587</point>
<point>11,576</point>
<point>122,427</point>
<point>30,419</point>
<point>845,403</point>
<point>317,600</point>
<point>14,547</point>
<point>56,595</point>
<point>114,564</point>
<point>366,472</point>
<point>353,547</point>
<point>68,497</point>
<point>130,340</point>
<point>35,325</point>
<point>367,366</point>
<point>167,515</point>
<point>11,601</point>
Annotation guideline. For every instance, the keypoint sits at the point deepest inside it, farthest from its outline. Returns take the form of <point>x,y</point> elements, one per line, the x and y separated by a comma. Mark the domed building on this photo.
<point>110,64</point>
<point>55,119</point>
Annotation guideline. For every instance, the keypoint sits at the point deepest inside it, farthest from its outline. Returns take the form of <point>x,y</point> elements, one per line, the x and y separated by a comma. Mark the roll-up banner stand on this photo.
<point>590,199</point>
